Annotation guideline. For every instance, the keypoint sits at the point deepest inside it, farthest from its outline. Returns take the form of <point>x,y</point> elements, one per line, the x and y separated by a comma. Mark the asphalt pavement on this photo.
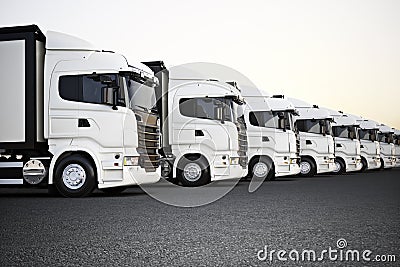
<point>133,229</point>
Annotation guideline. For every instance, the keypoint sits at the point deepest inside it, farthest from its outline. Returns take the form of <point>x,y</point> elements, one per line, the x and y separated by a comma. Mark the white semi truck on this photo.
<point>386,142</point>
<point>203,130</point>
<point>72,116</point>
<point>347,143</point>
<point>370,148</point>
<point>397,146</point>
<point>317,148</point>
<point>273,143</point>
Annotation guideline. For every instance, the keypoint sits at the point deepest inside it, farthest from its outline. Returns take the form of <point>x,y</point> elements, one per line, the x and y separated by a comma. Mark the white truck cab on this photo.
<point>317,148</point>
<point>347,143</point>
<point>397,146</point>
<point>75,116</point>
<point>386,142</point>
<point>273,144</point>
<point>370,148</point>
<point>205,130</point>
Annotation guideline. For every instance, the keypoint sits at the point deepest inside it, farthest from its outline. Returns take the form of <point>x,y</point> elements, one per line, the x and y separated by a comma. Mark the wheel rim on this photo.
<point>338,167</point>
<point>74,176</point>
<point>192,172</point>
<point>260,169</point>
<point>305,167</point>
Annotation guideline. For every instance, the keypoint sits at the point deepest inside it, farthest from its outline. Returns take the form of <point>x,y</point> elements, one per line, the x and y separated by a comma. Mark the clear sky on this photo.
<point>342,54</point>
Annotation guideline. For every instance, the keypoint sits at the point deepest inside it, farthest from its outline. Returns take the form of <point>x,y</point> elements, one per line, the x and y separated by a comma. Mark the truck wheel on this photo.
<point>340,167</point>
<point>193,172</point>
<point>113,191</point>
<point>382,164</point>
<point>364,165</point>
<point>260,169</point>
<point>75,176</point>
<point>307,168</point>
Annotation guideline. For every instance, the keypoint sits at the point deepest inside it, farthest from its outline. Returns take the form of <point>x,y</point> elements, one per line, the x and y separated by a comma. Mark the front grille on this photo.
<point>297,144</point>
<point>243,144</point>
<point>149,141</point>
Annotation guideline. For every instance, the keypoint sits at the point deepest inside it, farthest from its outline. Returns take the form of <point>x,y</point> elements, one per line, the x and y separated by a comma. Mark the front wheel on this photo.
<point>193,172</point>
<point>75,176</point>
<point>364,164</point>
<point>307,168</point>
<point>340,167</point>
<point>261,169</point>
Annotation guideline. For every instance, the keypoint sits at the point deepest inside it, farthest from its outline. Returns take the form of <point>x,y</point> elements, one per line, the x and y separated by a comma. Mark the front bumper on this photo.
<point>131,175</point>
<point>389,162</point>
<point>229,172</point>
<point>374,163</point>
<point>287,167</point>
<point>353,165</point>
<point>325,165</point>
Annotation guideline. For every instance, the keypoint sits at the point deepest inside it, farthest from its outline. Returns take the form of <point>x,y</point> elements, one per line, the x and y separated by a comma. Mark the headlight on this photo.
<point>293,161</point>
<point>234,161</point>
<point>131,161</point>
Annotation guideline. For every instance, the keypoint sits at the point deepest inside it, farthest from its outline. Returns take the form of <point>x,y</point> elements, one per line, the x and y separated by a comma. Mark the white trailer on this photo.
<point>317,148</point>
<point>203,130</point>
<point>347,143</point>
<point>397,146</point>
<point>388,152</point>
<point>370,148</point>
<point>73,116</point>
<point>273,144</point>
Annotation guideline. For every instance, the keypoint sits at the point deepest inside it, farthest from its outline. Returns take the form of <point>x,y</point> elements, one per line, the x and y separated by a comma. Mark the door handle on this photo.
<point>198,133</point>
<point>265,139</point>
<point>83,123</point>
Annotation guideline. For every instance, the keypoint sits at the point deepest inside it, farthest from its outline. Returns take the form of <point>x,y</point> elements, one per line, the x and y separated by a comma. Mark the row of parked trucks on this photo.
<point>75,118</point>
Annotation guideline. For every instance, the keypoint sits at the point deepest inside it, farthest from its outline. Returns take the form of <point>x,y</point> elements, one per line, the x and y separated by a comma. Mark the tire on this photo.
<point>75,176</point>
<point>113,191</point>
<point>193,172</point>
<point>364,165</point>
<point>260,168</point>
<point>382,165</point>
<point>307,168</point>
<point>341,167</point>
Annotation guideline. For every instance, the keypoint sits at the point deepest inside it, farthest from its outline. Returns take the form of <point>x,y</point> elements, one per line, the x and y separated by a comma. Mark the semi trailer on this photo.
<point>370,148</point>
<point>347,143</point>
<point>273,143</point>
<point>72,116</point>
<point>203,131</point>
<point>386,143</point>
<point>396,138</point>
<point>317,148</point>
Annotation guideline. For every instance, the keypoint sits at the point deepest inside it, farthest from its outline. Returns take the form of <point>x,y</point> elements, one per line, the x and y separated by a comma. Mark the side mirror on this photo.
<point>110,96</point>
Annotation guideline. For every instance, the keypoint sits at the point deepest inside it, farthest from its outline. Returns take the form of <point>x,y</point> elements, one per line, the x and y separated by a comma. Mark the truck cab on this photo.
<point>206,132</point>
<point>317,148</point>
<point>386,141</point>
<point>86,123</point>
<point>396,138</point>
<point>273,143</point>
<point>370,148</point>
<point>347,143</point>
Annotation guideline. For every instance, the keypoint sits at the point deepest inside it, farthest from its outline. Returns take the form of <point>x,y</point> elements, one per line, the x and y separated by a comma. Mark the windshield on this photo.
<point>396,139</point>
<point>369,135</point>
<point>386,138</point>
<point>349,132</point>
<point>315,126</point>
<point>141,93</point>
<point>212,108</point>
<point>270,119</point>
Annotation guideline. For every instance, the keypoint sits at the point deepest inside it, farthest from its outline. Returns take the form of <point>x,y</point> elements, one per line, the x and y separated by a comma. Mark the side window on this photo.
<point>87,89</point>
<point>69,88</point>
<point>263,119</point>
